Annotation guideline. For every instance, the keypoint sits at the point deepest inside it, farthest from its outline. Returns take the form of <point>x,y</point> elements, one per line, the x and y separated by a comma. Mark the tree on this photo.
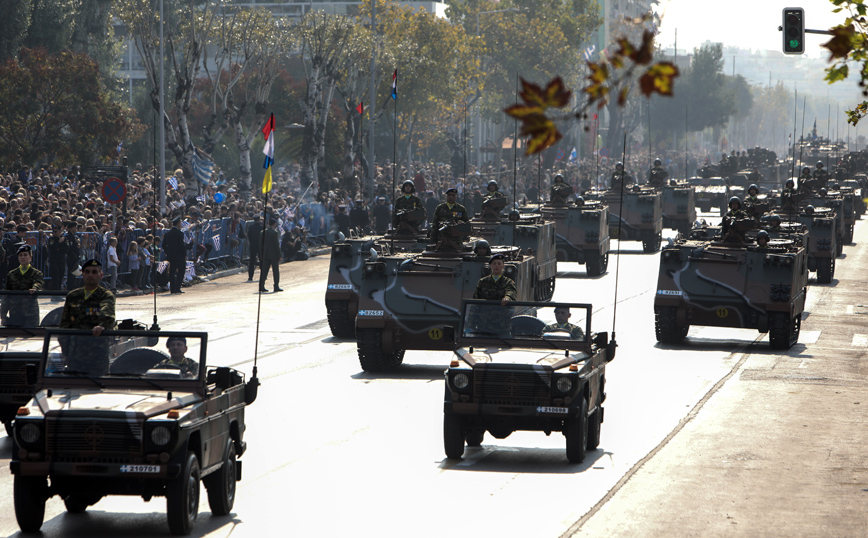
<point>55,111</point>
<point>13,26</point>
<point>849,45</point>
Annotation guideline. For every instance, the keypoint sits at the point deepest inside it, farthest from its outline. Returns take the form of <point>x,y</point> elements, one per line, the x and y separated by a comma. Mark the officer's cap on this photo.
<point>496,257</point>
<point>452,189</point>
<point>91,263</point>
<point>24,248</point>
<point>176,339</point>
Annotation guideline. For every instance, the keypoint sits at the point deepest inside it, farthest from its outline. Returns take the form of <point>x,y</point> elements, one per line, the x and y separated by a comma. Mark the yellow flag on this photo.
<point>266,181</point>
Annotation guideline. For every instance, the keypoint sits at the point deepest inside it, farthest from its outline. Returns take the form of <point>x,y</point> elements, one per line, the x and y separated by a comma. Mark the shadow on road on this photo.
<point>506,459</point>
<point>422,372</point>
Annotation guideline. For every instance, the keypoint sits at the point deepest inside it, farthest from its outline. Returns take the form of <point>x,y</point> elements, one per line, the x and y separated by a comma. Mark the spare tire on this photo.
<point>527,326</point>
<point>137,361</point>
<point>52,319</point>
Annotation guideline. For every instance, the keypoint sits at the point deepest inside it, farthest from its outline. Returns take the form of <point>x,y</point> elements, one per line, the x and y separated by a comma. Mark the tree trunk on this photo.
<point>322,123</point>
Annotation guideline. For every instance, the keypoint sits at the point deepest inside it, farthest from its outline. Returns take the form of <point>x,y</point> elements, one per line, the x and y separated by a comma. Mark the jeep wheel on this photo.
<point>825,270</point>
<point>371,356</point>
<point>76,504</point>
<point>665,326</point>
<point>576,432</point>
<point>474,437</point>
<point>453,438</point>
<point>339,320</point>
<point>182,498</point>
<point>594,427</point>
<point>596,263</point>
<point>30,493</point>
<point>783,331</point>
<point>221,484</point>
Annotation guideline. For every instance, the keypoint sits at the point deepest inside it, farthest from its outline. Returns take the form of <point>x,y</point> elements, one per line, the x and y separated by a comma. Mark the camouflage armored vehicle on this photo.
<point>639,219</point>
<point>582,234</point>
<point>822,242</point>
<point>407,299</point>
<point>739,285</point>
<point>144,427</point>
<point>711,192</point>
<point>844,220</point>
<point>853,187</point>
<point>535,236</point>
<point>526,366</point>
<point>679,206</point>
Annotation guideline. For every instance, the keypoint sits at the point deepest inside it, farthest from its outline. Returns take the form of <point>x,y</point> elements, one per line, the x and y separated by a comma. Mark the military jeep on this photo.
<point>517,368</point>
<point>143,427</point>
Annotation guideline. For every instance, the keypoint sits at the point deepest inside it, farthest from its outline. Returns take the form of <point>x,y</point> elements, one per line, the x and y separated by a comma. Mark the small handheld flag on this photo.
<point>268,150</point>
<point>360,108</point>
<point>395,85</point>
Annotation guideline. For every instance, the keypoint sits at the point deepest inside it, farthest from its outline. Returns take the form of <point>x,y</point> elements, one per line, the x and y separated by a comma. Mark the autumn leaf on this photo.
<point>841,43</point>
<point>542,132</point>
<point>658,78</point>
<point>555,94</point>
<point>644,54</point>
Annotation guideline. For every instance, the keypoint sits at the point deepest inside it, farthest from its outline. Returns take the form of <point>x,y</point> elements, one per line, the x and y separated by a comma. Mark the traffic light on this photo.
<point>794,30</point>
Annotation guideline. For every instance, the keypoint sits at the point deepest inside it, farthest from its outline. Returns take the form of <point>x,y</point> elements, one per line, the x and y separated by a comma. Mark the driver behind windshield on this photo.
<point>177,346</point>
<point>562,323</point>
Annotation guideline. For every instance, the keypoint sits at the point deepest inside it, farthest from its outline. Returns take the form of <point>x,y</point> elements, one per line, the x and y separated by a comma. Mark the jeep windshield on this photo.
<point>156,359</point>
<point>526,324</point>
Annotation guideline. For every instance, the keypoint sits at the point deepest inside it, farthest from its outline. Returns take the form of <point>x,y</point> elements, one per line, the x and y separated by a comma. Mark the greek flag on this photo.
<point>216,241</point>
<point>185,226</point>
<point>203,166</point>
<point>173,181</point>
<point>589,53</point>
<point>162,266</point>
<point>573,155</point>
<point>190,272</point>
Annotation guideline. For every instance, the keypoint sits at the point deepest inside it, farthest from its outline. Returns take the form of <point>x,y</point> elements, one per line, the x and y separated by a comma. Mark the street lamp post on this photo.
<point>477,120</point>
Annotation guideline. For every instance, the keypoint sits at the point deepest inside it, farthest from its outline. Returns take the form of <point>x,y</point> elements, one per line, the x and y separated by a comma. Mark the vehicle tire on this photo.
<point>596,263</point>
<point>339,320</point>
<point>825,270</point>
<point>849,237</point>
<point>783,331</point>
<point>594,428</point>
<point>9,425</point>
<point>666,327</point>
<point>137,361</point>
<point>30,493</point>
<point>651,242</point>
<point>52,319</point>
<point>182,498</point>
<point>371,355</point>
<point>76,504</point>
<point>576,432</point>
<point>221,484</point>
<point>453,438</point>
<point>474,437</point>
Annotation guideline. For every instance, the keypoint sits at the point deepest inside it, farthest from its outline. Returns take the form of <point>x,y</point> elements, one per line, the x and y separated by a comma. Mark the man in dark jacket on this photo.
<point>176,255</point>
<point>270,256</point>
<point>57,249</point>
<point>254,240</point>
<point>73,254</point>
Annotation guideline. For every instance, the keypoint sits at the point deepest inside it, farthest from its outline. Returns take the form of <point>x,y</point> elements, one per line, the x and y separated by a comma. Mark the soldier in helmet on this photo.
<point>735,213</point>
<point>16,310</point>
<point>560,191</point>
<point>407,202</point>
<point>775,222</point>
<point>806,181</point>
<point>657,176</point>
<point>820,173</point>
<point>762,239</point>
<point>493,201</point>
<point>620,178</point>
<point>482,249</point>
<point>809,210</point>
<point>789,201</point>
<point>448,211</point>
<point>580,201</point>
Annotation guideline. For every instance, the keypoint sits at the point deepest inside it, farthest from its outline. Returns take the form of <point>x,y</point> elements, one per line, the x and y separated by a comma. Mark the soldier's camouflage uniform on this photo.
<point>444,213</point>
<point>404,203</point>
<point>189,368</point>
<point>494,319</point>
<point>657,176</point>
<point>559,193</point>
<point>487,201</point>
<point>22,311</point>
<point>576,332</point>
<point>88,354</point>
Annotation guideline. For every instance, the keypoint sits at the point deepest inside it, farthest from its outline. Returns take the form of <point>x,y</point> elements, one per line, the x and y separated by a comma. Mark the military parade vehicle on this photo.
<point>526,366</point>
<point>853,187</point>
<point>406,299</point>
<point>640,218</point>
<point>582,233</point>
<point>679,206</point>
<point>534,235</point>
<point>104,422</point>
<point>710,192</point>
<point>822,242</point>
<point>732,284</point>
<point>844,220</point>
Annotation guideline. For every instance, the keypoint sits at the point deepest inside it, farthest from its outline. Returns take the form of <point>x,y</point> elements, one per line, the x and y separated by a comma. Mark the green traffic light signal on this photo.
<point>793,30</point>
<point>794,44</point>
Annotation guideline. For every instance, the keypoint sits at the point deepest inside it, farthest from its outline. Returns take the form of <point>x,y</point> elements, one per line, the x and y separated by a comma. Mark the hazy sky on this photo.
<point>749,24</point>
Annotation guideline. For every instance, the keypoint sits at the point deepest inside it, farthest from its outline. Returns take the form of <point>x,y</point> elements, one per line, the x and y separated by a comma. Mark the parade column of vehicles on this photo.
<point>582,233</point>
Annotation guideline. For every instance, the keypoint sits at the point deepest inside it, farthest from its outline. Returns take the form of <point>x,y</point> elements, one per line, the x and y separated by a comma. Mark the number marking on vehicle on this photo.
<point>140,468</point>
<point>340,286</point>
<point>435,334</point>
<point>722,312</point>
<point>668,292</point>
<point>555,410</point>
<point>370,312</point>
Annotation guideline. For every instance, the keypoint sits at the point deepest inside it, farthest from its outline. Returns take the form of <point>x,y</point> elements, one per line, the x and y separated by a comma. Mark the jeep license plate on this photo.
<point>554,410</point>
<point>140,468</point>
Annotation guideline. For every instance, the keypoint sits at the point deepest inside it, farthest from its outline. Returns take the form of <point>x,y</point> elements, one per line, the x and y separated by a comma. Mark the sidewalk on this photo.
<point>778,448</point>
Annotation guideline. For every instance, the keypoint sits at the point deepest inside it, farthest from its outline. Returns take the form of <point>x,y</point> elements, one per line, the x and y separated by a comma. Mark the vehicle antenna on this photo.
<point>465,154</point>
<point>618,253</point>
<point>515,161</point>
<point>795,119</point>
<point>155,211</point>
<point>802,135</point>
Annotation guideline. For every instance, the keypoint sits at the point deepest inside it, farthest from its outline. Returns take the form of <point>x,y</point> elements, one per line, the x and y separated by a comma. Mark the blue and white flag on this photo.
<point>200,198</point>
<point>203,166</point>
<point>120,146</point>
<point>573,155</point>
<point>395,85</point>
<point>162,266</point>
<point>216,241</point>
<point>190,272</point>
<point>185,226</point>
<point>589,53</point>
<point>173,181</point>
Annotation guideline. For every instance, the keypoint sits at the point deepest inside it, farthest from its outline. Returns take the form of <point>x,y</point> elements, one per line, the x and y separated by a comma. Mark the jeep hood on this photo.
<point>148,403</point>
<point>554,358</point>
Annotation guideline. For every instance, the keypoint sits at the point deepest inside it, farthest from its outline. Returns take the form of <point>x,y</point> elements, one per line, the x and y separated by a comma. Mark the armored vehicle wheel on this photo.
<point>839,246</point>
<point>182,498</point>
<point>30,493</point>
<point>576,432</point>
<point>651,242</point>
<point>825,270</point>
<point>596,263</point>
<point>371,355</point>
<point>339,320</point>
<point>665,326</point>
<point>52,319</point>
<point>594,427</point>
<point>76,504</point>
<point>474,437</point>
<point>783,331</point>
<point>453,438</point>
<point>221,485</point>
<point>848,236</point>
<point>544,290</point>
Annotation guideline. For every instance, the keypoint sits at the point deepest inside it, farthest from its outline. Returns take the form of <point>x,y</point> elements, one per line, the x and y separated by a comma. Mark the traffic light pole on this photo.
<point>807,31</point>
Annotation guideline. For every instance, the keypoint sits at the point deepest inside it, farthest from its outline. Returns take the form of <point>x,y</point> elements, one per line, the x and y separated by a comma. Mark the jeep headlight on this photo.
<point>564,384</point>
<point>161,436</point>
<point>29,434</point>
<point>461,381</point>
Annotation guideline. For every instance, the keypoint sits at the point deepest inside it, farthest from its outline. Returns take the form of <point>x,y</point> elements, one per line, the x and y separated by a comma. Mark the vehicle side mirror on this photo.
<point>31,374</point>
<point>251,389</point>
<point>601,339</point>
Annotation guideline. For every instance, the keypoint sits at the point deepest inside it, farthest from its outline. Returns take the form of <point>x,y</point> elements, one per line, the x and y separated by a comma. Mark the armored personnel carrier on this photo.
<point>739,285</point>
<point>406,299</point>
<point>640,218</point>
<point>853,187</point>
<point>526,366</point>
<point>822,242</point>
<point>679,206</point>
<point>582,234</point>
<point>710,192</point>
<point>844,220</point>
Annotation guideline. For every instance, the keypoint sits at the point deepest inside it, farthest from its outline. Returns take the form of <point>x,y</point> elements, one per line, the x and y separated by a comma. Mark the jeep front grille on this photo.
<point>511,387</point>
<point>72,437</point>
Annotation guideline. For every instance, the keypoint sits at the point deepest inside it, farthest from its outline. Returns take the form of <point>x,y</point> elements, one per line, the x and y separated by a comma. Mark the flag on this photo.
<point>120,146</point>
<point>190,272</point>
<point>185,226</point>
<point>395,85</point>
<point>267,181</point>
<point>589,52</point>
<point>216,241</point>
<point>173,181</point>
<point>200,198</point>
<point>268,150</point>
<point>573,155</point>
<point>360,108</point>
<point>162,266</point>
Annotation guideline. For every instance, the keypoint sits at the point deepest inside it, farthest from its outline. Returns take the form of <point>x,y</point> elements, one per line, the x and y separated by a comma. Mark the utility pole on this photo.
<point>373,106</point>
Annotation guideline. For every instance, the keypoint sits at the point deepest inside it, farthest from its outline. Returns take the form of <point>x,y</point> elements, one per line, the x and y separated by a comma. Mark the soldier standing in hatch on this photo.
<point>560,191</point>
<point>657,176</point>
<point>407,201</point>
<point>493,287</point>
<point>448,211</point>
<point>90,307</point>
<point>22,311</point>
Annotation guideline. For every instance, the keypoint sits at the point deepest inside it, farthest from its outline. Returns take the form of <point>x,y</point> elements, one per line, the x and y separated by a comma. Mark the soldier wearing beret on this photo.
<point>16,310</point>
<point>90,307</point>
<point>496,285</point>
<point>448,211</point>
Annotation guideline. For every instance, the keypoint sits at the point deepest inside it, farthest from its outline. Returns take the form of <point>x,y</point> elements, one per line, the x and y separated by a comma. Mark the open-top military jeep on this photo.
<point>130,423</point>
<point>519,367</point>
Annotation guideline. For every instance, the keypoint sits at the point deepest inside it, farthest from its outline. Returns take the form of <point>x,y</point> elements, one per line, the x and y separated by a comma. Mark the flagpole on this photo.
<point>394,149</point>
<point>465,154</point>
<point>515,158</point>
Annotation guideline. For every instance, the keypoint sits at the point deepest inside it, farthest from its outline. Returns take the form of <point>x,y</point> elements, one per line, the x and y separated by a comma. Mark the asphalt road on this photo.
<point>334,451</point>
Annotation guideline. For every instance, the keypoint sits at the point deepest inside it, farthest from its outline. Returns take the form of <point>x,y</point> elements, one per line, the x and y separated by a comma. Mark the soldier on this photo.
<point>177,346</point>
<point>482,249</point>
<point>657,176</point>
<point>18,311</point>
<point>620,178</point>
<point>809,210</point>
<point>580,201</point>
<point>448,211</point>
<point>789,202</point>
<point>806,181</point>
<point>407,202</point>
<point>735,213</point>
<point>562,323</point>
<point>560,190</point>
<point>254,240</point>
<point>820,173</point>
<point>490,205</point>
<point>762,239</point>
<point>496,286</point>
<point>89,307</point>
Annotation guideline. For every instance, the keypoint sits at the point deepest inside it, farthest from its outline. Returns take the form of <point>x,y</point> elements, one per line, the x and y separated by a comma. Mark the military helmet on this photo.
<point>482,243</point>
<point>819,164</point>
<point>790,183</point>
<point>836,187</point>
<point>492,183</point>
<point>619,165</point>
<point>762,234</point>
<point>753,187</point>
<point>775,219</point>
<point>809,210</point>
<point>823,192</point>
<point>734,199</point>
<point>559,178</point>
<point>658,162</point>
<point>408,182</point>
<point>806,169</point>
<point>580,200</point>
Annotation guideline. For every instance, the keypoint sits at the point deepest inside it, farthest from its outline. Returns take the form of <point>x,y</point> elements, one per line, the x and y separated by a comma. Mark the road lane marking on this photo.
<point>860,340</point>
